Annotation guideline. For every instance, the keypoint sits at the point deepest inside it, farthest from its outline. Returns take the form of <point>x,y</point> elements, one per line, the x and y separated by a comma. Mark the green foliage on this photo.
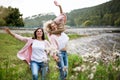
<point>14,18</point>
<point>104,14</point>
<point>2,22</point>
<point>108,19</point>
<point>74,36</point>
<point>117,22</point>
<point>38,20</point>
<point>87,23</point>
<point>10,17</point>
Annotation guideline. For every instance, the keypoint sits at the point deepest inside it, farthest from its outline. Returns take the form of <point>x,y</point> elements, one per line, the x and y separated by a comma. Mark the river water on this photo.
<point>105,43</point>
<point>104,40</point>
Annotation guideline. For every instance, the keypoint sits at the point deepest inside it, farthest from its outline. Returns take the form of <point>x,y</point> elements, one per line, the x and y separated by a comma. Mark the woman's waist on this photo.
<point>39,59</point>
<point>64,49</point>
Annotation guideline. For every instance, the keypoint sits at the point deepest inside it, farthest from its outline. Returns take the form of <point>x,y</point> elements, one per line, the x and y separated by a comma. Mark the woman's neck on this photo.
<point>38,38</point>
<point>58,35</point>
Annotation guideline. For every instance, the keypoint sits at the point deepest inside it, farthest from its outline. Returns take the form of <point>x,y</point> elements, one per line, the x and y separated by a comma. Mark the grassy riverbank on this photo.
<point>11,68</point>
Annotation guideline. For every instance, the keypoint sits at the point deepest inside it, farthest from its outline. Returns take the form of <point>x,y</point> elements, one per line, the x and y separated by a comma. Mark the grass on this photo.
<point>11,68</point>
<point>75,36</point>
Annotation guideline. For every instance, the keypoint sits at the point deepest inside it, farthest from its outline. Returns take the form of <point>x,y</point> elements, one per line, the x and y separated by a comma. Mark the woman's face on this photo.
<point>53,26</point>
<point>39,33</point>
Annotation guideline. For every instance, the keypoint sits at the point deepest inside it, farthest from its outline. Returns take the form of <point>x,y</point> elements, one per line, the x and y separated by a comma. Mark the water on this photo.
<point>105,43</point>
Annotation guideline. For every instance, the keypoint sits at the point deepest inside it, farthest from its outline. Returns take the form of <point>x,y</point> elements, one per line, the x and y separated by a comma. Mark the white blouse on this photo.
<point>38,51</point>
<point>62,40</point>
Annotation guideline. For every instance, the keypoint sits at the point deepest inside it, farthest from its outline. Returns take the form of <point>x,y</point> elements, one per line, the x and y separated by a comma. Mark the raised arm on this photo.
<point>19,37</point>
<point>62,18</point>
<point>9,32</point>
<point>57,4</point>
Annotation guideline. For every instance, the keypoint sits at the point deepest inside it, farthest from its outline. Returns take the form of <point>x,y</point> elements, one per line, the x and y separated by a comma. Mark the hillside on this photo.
<point>101,15</point>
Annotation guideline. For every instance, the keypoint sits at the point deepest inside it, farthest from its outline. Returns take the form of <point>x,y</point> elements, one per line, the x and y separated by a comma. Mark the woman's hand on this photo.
<point>56,3</point>
<point>7,30</point>
<point>56,58</point>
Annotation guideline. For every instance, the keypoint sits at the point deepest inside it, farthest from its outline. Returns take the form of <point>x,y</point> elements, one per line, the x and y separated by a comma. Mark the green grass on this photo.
<point>75,36</point>
<point>11,68</point>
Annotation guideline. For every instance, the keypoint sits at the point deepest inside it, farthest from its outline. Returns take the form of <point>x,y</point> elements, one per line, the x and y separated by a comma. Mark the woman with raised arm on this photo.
<point>55,31</point>
<point>34,52</point>
<point>58,23</point>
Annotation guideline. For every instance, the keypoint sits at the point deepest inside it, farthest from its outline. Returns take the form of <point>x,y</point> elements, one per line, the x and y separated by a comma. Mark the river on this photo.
<point>104,40</point>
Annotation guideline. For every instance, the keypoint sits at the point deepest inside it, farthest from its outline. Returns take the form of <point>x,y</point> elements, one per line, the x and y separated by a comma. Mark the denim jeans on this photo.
<point>36,67</point>
<point>63,63</point>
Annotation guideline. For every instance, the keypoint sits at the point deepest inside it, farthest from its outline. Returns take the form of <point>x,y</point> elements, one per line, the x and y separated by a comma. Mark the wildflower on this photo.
<point>77,69</point>
<point>65,68</point>
<point>95,63</point>
<point>119,67</point>
<point>52,50</point>
<point>97,55</point>
<point>73,77</point>
<point>116,54</point>
<point>83,68</point>
<point>93,69</point>
<point>116,69</point>
<point>91,76</point>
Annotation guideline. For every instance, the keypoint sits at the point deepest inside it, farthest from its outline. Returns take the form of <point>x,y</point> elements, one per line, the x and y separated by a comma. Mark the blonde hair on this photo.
<point>47,27</point>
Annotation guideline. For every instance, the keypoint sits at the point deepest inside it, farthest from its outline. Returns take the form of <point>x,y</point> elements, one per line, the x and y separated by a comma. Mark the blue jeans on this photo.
<point>63,63</point>
<point>36,67</point>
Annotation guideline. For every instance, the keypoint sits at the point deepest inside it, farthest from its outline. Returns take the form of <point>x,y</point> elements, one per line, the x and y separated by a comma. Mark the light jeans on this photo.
<point>36,67</point>
<point>62,64</point>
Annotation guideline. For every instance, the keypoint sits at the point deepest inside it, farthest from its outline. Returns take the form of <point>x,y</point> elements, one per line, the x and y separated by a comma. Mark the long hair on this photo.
<point>35,36</point>
<point>47,27</point>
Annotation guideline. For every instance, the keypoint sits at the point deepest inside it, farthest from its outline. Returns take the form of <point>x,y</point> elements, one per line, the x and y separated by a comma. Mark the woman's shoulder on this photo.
<point>53,36</point>
<point>46,42</point>
<point>63,34</point>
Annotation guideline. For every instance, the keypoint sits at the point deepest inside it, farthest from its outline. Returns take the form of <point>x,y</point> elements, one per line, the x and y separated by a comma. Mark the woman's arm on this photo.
<point>19,37</point>
<point>52,51</point>
<point>62,18</point>
<point>57,4</point>
<point>9,32</point>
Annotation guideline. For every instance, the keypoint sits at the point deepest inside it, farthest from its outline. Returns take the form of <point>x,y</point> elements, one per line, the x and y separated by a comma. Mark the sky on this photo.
<point>34,7</point>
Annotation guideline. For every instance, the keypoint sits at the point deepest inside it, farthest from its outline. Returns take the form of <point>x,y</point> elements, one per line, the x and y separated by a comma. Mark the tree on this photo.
<point>117,22</point>
<point>108,19</point>
<point>87,23</point>
<point>2,22</point>
<point>14,18</point>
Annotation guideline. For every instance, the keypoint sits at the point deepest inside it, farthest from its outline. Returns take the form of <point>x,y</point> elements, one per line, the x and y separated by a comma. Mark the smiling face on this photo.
<point>53,26</point>
<point>39,34</point>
